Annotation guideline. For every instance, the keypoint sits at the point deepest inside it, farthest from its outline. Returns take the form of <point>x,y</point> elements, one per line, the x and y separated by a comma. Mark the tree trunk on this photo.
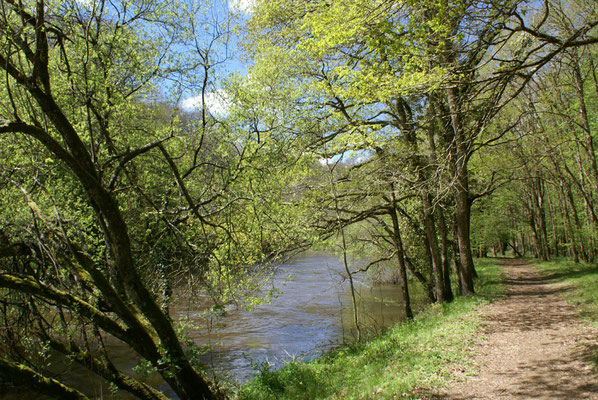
<point>398,242</point>
<point>462,217</point>
<point>457,260</point>
<point>532,225</point>
<point>442,228</point>
<point>22,375</point>
<point>432,241</point>
<point>568,227</point>
<point>577,231</point>
<point>460,158</point>
<point>555,237</point>
<point>446,264</point>
<point>539,205</point>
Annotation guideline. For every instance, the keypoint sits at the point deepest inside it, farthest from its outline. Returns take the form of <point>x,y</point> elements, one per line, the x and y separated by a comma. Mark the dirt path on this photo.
<point>533,346</point>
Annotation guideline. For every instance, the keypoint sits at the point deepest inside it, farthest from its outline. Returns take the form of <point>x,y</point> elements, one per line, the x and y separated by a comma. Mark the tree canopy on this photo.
<point>136,167</point>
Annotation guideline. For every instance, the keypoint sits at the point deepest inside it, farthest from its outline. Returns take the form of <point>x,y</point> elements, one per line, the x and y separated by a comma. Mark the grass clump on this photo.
<point>419,354</point>
<point>583,281</point>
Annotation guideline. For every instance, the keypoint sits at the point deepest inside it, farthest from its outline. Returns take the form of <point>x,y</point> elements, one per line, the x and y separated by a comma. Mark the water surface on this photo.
<point>311,314</point>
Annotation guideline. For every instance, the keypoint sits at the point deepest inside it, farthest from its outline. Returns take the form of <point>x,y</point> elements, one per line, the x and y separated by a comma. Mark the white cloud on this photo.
<point>352,157</point>
<point>332,160</point>
<point>241,6</point>
<point>217,103</point>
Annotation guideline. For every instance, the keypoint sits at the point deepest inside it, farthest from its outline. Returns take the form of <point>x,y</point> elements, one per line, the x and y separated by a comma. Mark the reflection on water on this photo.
<point>311,314</point>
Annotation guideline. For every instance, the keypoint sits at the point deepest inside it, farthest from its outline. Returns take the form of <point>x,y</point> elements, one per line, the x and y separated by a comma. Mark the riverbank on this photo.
<point>407,360</point>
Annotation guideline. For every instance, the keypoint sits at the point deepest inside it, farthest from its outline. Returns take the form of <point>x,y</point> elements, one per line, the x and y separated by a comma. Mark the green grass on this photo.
<point>399,364</point>
<point>583,280</point>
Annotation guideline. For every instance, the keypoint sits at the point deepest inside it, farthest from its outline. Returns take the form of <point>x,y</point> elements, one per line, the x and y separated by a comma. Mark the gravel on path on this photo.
<point>534,344</point>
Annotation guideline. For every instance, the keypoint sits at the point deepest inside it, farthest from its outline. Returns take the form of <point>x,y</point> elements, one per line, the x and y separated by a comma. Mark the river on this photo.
<point>311,314</point>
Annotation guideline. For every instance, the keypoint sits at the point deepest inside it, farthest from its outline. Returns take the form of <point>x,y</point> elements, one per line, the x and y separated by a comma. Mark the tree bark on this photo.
<point>432,241</point>
<point>460,158</point>
<point>25,376</point>
<point>446,264</point>
<point>398,242</point>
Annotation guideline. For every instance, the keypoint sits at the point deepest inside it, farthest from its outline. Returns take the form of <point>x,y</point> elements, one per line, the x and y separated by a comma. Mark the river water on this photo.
<point>311,314</point>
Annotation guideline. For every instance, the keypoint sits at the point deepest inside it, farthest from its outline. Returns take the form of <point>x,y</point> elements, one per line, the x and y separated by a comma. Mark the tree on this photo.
<point>112,195</point>
<point>404,71</point>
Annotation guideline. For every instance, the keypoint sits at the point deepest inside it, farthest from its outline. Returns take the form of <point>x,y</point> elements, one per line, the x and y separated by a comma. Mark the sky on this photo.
<point>217,102</point>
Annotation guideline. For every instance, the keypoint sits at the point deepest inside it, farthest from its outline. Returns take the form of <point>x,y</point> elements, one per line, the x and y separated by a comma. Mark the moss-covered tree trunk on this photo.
<point>147,329</point>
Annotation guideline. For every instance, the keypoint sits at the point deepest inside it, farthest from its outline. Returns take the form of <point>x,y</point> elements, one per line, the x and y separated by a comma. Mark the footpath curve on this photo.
<point>534,345</point>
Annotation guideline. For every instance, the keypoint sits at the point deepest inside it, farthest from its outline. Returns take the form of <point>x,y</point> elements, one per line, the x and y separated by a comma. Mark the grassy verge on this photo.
<point>423,353</point>
<point>583,280</point>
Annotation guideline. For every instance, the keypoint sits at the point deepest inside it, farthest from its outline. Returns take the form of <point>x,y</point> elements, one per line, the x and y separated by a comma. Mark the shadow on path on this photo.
<point>535,345</point>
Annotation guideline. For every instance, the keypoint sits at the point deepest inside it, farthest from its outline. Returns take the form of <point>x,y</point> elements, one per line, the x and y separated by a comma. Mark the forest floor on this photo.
<point>534,343</point>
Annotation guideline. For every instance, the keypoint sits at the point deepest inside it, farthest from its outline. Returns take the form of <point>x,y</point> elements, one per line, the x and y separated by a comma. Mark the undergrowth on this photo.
<point>401,363</point>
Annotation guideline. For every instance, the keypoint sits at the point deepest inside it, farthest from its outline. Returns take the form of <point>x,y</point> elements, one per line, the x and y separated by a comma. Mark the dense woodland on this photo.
<point>416,134</point>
